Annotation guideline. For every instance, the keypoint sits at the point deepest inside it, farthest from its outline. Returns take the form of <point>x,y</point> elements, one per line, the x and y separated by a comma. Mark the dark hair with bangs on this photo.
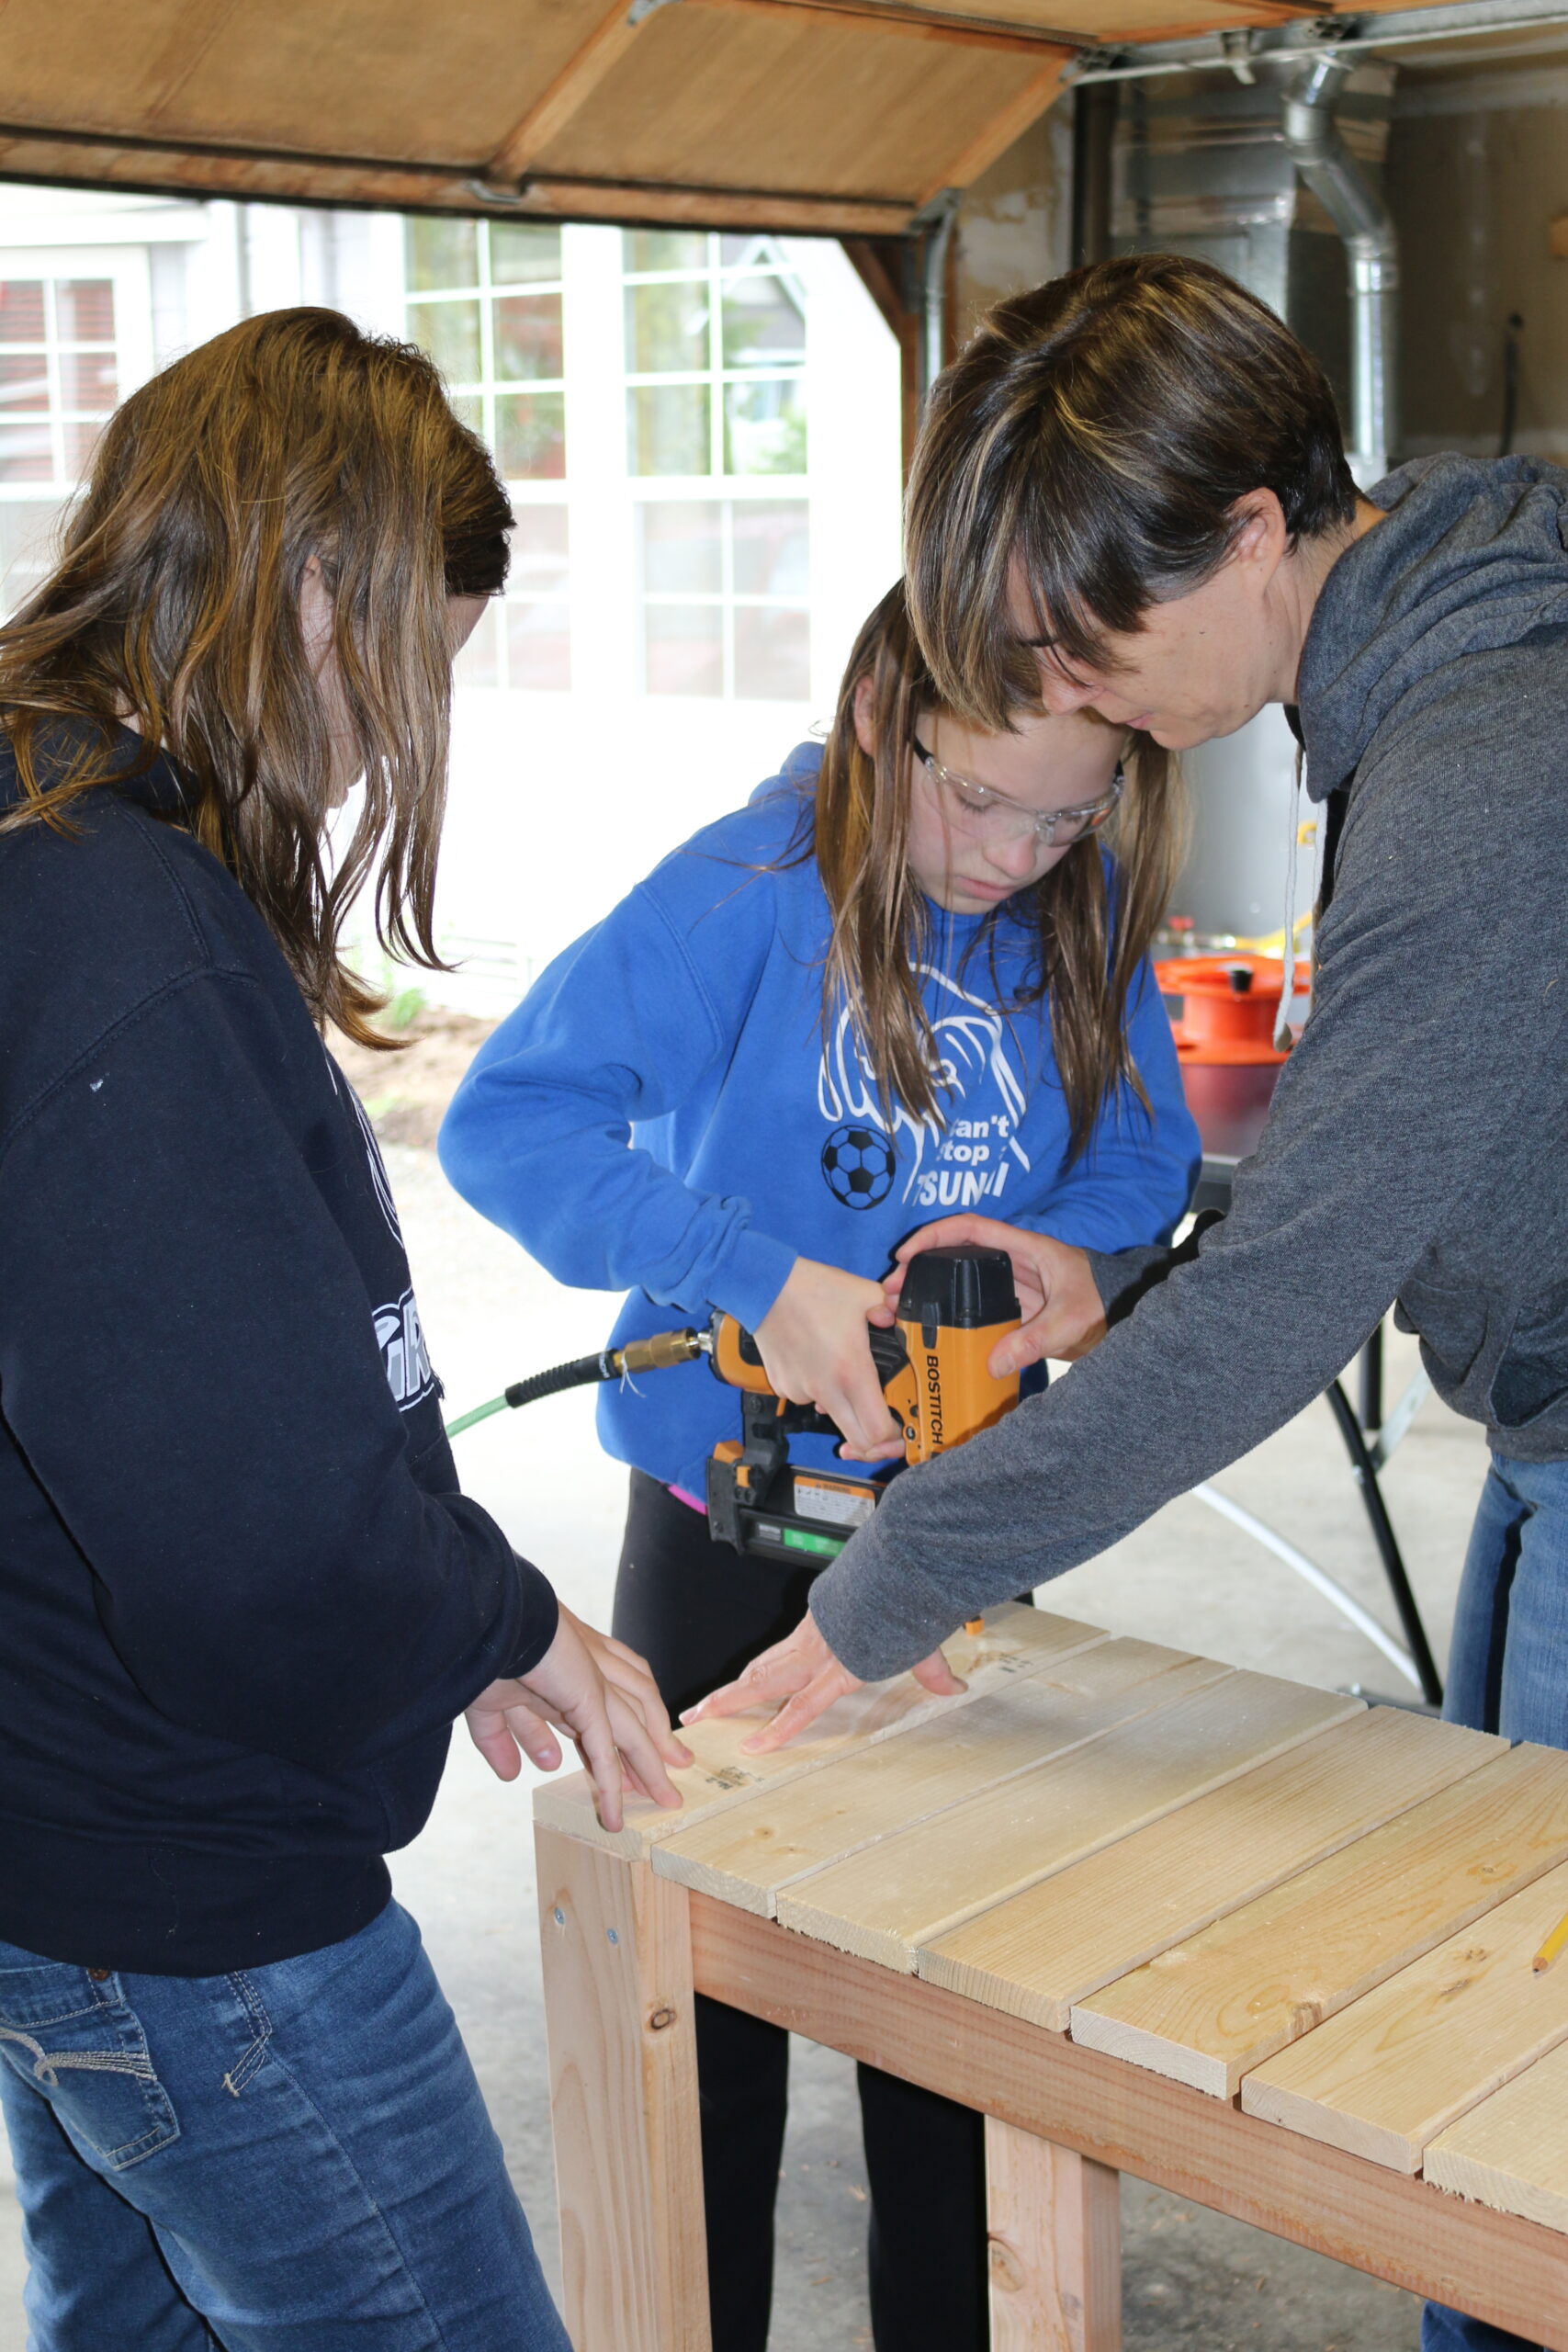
<point>175,601</point>
<point>1098,432</point>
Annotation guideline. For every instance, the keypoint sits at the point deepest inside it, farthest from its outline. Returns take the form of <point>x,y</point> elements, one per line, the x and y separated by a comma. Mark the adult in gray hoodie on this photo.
<point>1134,477</point>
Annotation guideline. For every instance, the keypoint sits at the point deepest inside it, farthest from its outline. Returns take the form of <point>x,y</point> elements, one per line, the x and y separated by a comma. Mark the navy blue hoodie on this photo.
<point>242,1599</point>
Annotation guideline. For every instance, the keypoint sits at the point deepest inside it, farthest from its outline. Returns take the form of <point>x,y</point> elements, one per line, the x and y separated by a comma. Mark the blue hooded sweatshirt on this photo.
<point>688,1025</point>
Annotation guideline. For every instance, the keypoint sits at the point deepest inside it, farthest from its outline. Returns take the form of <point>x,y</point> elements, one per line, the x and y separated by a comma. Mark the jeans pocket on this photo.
<point>74,2037</point>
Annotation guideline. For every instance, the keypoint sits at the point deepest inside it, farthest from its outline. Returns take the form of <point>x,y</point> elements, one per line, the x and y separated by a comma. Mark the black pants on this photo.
<point>698,1612</point>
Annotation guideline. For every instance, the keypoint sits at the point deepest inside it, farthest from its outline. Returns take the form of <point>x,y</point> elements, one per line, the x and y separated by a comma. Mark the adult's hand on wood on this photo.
<point>605,1698</point>
<point>1063,1315</point>
<point>803,1672</point>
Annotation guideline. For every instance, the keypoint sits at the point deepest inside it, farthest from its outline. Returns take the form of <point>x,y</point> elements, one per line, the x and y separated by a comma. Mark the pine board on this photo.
<point>1065,1939</point>
<point>1511,2152</point>
<point>1397,2067</point>
<point>747,1854</point>
<point>1219,2004</point>
<point>919,1884</point>
<point>1016,1640</point>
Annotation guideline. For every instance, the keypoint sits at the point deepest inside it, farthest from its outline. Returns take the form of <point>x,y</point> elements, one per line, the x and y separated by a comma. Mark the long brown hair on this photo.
<point>1094,437</point>
<point>176,599</point>
<point>1088,937</point>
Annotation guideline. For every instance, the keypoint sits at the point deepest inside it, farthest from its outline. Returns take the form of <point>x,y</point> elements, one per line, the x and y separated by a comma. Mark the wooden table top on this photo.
<point>1269,1892</point>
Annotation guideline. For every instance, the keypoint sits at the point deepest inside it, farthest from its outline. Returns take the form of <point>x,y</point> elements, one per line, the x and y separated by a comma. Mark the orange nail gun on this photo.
<point>955,1306</point>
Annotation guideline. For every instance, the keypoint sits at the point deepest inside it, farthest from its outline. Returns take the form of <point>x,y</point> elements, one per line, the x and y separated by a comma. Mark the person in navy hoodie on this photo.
<point>244,1600</point>
<point>910,977</point>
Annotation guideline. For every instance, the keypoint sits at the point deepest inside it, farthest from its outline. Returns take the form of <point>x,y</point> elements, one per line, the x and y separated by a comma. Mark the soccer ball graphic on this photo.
<point>859,1165</point>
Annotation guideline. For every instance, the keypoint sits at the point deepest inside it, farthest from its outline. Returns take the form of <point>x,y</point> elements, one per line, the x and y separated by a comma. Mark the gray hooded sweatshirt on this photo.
<point>1418,1146</point>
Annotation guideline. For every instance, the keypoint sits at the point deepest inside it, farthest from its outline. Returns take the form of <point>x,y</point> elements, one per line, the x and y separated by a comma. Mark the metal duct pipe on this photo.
<point>1372,243</point>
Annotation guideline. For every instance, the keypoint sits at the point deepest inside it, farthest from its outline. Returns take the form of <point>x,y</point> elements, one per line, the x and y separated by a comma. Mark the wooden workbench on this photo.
<point>1261,1944</point>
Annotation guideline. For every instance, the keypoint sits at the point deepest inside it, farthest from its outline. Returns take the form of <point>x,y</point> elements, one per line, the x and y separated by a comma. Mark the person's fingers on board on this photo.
<point>935,1675</point>
<point>631,1675</point>
<point>798,1714</point>
<point>639,1750</point>
<point>773,1675</point>
<point>601,1761</point>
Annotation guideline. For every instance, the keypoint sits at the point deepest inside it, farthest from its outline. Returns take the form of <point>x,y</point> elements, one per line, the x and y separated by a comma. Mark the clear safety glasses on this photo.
<point>978,809</point>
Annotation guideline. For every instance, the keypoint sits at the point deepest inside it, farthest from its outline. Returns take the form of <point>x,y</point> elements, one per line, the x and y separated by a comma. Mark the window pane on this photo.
<point>476,663</point>
<point>755,249</point>
<point>23,383</point>
<point>27,546</point>
<point>683,648</point>
<point>681,554</point>
<point>539,552</point>
<point>81,441</point>
<point>765,426</point>
<point>89,379</point>
<point>440,254</point>
<point>468,408</point>
<point>773,654</point>
<point>527,336</point>
<point>538,647</point>
<point>666,248</point>
<point>530,435</point>
<point>85,310</point>
<point>668,429</point>
<point>21,309</point>
<point>450,333</point>
<point>27,453</point>
<point>523,250</point>
<point>762,322</point>
<point>773,548</point>
<point>667,328</point>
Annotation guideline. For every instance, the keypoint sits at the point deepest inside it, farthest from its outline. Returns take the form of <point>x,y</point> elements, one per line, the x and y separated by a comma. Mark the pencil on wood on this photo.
<point>1552,1947</point>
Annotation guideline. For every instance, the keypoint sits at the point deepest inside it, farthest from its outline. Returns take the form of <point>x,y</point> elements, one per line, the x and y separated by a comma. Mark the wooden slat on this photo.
<point>1390,2072</point>
<point>1015,1642</point>
<point>1053,2223</point>
<point>1511,2152</point>
<point>1045,1951</point>
<point>619,2014</point>
<point>1506,2271</point>
<point>1034,95</point>
<point>156,167</point>
<point>786,99</point>
<point>912,1888</point>
<point>748,1854</point>
<point>1222,2002</point>
<point>567,95</point>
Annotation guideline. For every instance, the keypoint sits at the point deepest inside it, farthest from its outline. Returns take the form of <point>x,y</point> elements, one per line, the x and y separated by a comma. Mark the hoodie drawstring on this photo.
<point>1282,1038</point>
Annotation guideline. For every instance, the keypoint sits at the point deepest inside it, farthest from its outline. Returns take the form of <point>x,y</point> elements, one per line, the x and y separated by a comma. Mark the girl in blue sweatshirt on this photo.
<point>909,977</point>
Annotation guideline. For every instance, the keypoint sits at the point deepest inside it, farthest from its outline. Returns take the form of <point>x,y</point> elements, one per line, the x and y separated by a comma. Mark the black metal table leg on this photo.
<point>1371,1383</point>
<point>1364,1471</point>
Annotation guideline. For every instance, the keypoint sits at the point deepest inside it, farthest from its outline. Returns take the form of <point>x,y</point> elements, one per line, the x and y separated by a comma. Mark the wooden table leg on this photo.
<point>1054,2228</point>
<point>618,2009</point>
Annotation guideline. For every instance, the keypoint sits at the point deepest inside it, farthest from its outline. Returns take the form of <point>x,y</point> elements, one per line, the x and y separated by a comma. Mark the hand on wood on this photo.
<point>801,1671</point>
<point>603,1697</point>
<point>1063,1315</point>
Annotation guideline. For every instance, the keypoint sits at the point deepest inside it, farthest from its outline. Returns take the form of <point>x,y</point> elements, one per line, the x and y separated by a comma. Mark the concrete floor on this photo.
<point>1192,2279</point>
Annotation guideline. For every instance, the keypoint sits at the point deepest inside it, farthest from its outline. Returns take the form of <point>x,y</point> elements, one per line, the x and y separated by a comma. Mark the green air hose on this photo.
<point>611,1363</point>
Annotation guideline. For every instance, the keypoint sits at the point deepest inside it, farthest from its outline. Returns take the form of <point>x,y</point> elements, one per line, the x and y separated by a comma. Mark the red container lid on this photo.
<point>1229,1006</point>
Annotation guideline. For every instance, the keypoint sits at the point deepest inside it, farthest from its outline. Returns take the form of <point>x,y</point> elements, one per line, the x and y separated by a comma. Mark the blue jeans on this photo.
<point>1508,1673</point>
<point>294,2158</point>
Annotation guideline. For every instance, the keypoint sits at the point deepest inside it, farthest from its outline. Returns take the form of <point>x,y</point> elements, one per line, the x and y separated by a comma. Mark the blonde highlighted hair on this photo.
<point>175,601</point>
<point>1088,933</point>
